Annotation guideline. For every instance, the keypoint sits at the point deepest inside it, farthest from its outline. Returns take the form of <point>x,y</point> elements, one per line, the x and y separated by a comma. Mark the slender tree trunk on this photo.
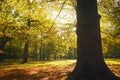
<point>40,58</point>
<point>25,57</point>
<point>41,47</point>
<point>90,64</point>
<point>55,56</point>
<point>2,45</point>
<point>35,51</point>
<point>43,53</point>
<point>3,42</point>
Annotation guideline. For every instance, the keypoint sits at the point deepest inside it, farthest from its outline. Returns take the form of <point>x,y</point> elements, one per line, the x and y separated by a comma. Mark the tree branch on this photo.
<point>57,15</point>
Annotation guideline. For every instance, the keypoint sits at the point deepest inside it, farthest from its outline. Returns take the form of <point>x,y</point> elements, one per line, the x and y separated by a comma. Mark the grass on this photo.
<point>16,64</point>
<point>114,65</point>
<point>45,70</point>
<point>112,61</point>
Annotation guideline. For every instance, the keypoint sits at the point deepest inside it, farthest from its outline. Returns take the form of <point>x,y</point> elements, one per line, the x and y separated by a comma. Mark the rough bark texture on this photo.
<point>90,63</point>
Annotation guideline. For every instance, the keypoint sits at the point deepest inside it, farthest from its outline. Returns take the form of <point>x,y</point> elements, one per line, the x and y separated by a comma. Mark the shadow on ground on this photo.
<point>43,73</point>
<point>36,73</point>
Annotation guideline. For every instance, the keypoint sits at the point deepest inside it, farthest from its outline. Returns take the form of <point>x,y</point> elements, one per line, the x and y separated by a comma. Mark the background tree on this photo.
<point>23,21</point>
<point>110,26</point>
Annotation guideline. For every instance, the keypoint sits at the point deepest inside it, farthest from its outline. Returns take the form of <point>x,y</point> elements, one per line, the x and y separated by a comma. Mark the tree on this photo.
<point>19,24</point>
<point>110,27</point>
<point>90,64</point>
<point>7,29</point>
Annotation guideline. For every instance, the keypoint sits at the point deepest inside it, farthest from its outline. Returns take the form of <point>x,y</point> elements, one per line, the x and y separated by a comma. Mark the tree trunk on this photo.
<point>40,58</point>
<point>55,56</point>
<point>35,51</point>
<point>3,41</point>
<point>25,57</point>
<point>43,53</point>
<point>90,63</point>
<point>2,45</point>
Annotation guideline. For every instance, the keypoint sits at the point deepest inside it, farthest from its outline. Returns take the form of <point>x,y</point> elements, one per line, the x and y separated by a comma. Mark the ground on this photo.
<point>45,70</point>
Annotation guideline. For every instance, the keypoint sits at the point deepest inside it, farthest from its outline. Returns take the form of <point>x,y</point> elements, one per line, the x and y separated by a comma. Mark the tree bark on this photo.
<point>43,53</point>
<point>2,45</point>
<point>90,63</point>
<point>41,46</point>
<point>55,56</point>
<point>3,42</point>
<point>25,57</point>
<point>35,51</point>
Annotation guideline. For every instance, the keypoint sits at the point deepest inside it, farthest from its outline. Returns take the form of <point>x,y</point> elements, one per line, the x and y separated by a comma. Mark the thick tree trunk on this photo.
<point>25,56</point>
<point>90,63</point>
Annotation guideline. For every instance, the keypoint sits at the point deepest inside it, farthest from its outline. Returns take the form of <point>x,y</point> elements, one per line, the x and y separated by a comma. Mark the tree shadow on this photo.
<point>36,73</point>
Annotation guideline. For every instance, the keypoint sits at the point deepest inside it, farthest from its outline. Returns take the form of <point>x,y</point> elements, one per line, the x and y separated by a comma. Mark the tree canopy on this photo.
<point>50,28</point>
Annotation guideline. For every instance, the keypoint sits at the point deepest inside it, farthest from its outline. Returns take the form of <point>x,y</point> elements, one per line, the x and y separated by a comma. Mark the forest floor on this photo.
<point>45,70</point>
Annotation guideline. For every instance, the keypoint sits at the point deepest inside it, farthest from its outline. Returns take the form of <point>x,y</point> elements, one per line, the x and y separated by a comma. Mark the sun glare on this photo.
<point>65,16</point>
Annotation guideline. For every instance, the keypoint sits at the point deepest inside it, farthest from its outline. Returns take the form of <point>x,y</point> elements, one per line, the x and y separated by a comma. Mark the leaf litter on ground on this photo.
<point>46,70</point>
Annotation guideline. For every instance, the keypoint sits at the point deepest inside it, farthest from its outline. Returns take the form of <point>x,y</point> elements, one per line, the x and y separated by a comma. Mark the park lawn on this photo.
<point>45,70</point>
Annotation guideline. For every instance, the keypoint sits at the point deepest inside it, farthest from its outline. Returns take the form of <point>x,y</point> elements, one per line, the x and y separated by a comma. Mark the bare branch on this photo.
<point>57,15</point>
